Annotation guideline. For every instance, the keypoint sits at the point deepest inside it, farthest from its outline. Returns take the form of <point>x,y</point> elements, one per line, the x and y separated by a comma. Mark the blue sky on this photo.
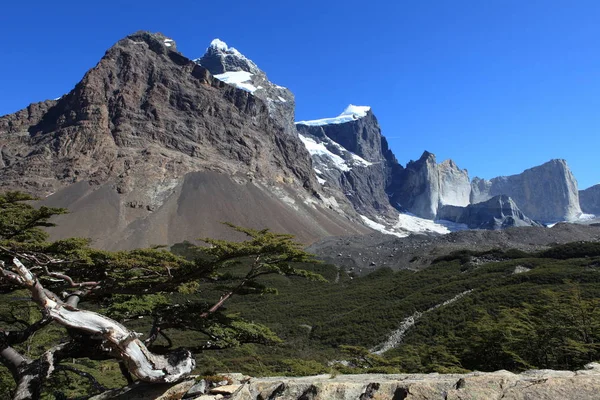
<point>499,86</point>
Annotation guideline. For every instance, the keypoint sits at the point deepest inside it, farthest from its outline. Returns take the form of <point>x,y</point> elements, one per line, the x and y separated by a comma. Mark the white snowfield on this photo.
<point>221,45</point>
<point>408,224</point>
<point>239,79</point>
<point>351,113</point>
<point>319,149</point>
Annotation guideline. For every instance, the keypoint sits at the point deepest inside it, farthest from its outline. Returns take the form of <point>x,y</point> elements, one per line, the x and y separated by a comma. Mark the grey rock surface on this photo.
<point>589,199</point>
<point>546,193</point>
<point>355,163</point>
<point>221,59</point>
<point>364,253</point>
<point>424,186</point>
<point>499,212</point>
<point>535,384</point>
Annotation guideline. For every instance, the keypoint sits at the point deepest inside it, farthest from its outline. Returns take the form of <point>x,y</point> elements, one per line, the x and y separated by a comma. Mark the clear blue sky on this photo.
<point>497,85</point>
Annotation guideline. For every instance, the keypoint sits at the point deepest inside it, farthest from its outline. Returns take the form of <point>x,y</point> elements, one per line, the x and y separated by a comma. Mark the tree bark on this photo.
<point>120,341</point>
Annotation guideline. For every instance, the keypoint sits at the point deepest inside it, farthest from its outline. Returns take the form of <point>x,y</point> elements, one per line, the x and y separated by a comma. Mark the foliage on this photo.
<point>152,289</point>
<point>20,221</point>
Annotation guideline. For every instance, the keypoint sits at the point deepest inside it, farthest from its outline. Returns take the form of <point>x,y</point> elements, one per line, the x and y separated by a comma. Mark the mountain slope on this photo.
<point>135,126</point>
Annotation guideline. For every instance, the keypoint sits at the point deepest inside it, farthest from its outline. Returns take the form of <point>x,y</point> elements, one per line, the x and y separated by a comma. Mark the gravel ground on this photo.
<point>365,253</point>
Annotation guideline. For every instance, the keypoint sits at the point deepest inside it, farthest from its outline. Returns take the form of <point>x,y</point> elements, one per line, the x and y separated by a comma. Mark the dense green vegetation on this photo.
<point>546,317</point>
<point>49,289</point>
<point>522,310</point>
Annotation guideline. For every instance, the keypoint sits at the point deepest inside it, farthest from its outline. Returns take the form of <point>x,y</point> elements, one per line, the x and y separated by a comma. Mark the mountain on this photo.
<point>424,186</point>
<point>545,193</point>
<point>230,66</point>
<point>352,159</point>
<point>499,212</point>
<point>150,148</point>
<point>589,199</point>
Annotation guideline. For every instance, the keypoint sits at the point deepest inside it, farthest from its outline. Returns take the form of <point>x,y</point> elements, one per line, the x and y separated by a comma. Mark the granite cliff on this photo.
<point>499,212</point>
<point>589,199</point>
<point>352,159</point>
<point>546,193</point>
<point>424,186</point>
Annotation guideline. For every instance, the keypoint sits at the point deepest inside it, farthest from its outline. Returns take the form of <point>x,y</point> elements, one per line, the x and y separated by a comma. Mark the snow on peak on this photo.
<point>408,224</point>
<point>220,45</point>
<point>239,79</point>
<point>359,111</point>
<point>351,113</point>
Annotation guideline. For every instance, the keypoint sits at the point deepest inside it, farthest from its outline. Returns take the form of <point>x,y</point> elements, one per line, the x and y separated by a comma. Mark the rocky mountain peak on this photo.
<point>352,158</point>
<point>426,156</point>
<point>546,193</point>
<point>424,186</point>
<point>232,67</point>
<point>150,147</point>
<point>350,113</point>
<point>156,41</point>
<point>499,212</point>
<point>125,121</point>
<point>220,58</point>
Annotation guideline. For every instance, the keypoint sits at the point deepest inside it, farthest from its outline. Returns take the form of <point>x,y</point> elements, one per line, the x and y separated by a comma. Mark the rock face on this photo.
<point>352,159</point>
<point>545,193</point>
<point>499,212</point>
<point>424,186</point>
<point>589,199</point>
<point>229,65</point>
<point>127,136</point>
<point>535,384</point>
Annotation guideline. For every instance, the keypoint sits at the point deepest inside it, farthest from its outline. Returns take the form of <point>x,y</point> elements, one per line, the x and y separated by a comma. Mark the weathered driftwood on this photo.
<point>117,339</point>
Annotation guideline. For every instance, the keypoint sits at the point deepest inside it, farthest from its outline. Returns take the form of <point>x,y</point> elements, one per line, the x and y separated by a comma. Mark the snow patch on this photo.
<point>408,224</point>
<point>319,149</point>
<point>380,227</point>
<point>586,217</point>
<point>281,99</point>
<point>169,42</point>
<point>222,46</point>
<point>321,180</point>
<point>219,45</point>
<point>351,113</point>
<point>238,79</point>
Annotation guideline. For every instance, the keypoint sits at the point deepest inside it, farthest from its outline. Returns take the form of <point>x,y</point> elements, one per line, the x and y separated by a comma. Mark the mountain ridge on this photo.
<point>146,116</point>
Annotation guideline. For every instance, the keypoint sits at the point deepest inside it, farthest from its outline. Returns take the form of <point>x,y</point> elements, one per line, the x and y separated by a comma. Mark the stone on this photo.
<point>220,59</point>
<point>499,212</point>
<point>197,389</point>
<point>424,186</point>
<point>589,199</point>
<point>225,389</point>
<point>352,160</point>
<point>546,193</point>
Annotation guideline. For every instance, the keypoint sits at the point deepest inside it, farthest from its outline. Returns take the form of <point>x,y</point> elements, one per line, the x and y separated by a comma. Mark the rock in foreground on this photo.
<point>536,384</point>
